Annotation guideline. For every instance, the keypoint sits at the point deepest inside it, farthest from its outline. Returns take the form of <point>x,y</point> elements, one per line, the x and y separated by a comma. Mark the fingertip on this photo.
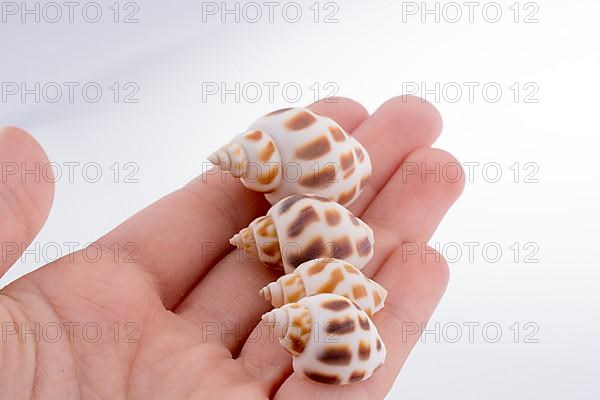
<point>437,269</point>
<point>20,148</point>
<point>437,166</point>
<point>414,114</point>
<point>455,174</point>
<point>419,263</point>
<point>26,190</point>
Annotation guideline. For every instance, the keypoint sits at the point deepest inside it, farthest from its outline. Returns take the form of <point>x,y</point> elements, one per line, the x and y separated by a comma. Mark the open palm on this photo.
<point>165,308</point>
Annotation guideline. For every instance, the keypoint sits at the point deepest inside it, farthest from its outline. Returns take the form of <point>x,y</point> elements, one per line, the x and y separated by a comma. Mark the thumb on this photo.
<point>26,193</point>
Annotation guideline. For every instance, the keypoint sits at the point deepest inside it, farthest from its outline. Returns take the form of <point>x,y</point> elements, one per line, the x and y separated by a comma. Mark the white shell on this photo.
<point>330,338</point>
<point>301,228</point>
<point>295,151</point>
<point>326,275</point>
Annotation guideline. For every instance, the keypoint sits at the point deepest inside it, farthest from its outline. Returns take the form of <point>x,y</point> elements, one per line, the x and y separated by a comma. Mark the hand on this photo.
<point>173,319</point>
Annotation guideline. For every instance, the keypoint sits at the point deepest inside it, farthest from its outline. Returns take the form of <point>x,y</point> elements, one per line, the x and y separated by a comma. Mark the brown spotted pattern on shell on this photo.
<point>295,151</point>
<point>331,339</point>
<point>326,275</point>
<point>301,228</point>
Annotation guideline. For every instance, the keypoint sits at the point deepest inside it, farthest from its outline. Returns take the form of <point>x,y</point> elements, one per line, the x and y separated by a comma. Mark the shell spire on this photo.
<point>266,293</point>
<point>279,320</point>
<point>254,157</point>
<point>231,158</point>
<point>292,325</point>
<point>273,293</point>
<point>260,240</point>
<point>245,240</point>
<point>287,289</point>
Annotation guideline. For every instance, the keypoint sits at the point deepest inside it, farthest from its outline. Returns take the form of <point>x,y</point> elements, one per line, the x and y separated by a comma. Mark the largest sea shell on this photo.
<point>296,151</point>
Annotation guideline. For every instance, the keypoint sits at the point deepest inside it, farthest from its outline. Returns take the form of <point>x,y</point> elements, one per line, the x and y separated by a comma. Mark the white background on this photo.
<point>374,51</point>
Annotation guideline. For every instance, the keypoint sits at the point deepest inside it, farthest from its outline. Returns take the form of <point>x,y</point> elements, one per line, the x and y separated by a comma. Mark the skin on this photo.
<point>185,304</point>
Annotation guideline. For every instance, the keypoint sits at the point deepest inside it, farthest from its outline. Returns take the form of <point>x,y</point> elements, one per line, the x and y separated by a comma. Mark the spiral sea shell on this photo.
<point>326,275</point>
<point>295,151</point>
<point>331,339</point>
<point>301,228</point>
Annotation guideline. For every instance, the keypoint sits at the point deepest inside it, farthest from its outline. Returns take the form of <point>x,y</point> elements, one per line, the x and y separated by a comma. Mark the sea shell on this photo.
<point>295,151</point>
<point>331,339</point>
<point>300,228</point>
<point>326,275</point>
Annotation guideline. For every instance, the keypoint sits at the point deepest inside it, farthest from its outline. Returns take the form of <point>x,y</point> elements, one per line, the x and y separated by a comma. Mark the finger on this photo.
<point>228,295</point>
<point>412,203</point>
<point>408,208</point>
<point>181,236</point>
<point>399,126</point>
<point>26,192</point>
<point>265,359</point>
<point>415,284</point>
